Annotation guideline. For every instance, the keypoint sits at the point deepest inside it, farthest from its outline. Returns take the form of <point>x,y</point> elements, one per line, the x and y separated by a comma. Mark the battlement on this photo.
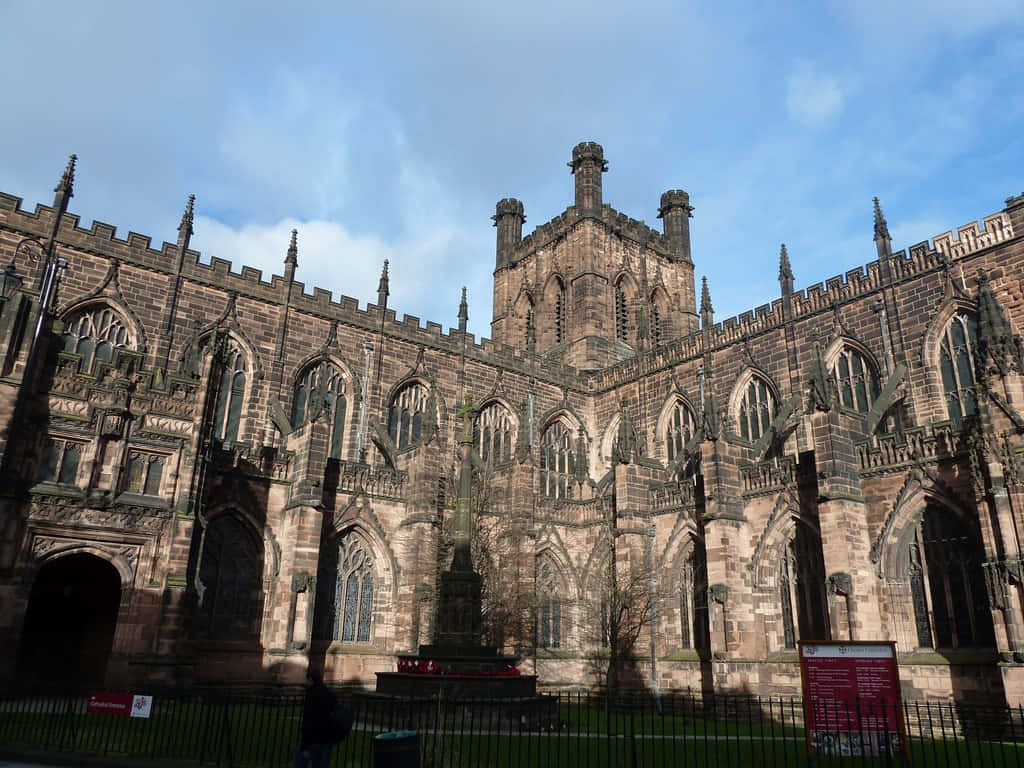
<point>101,239</point>
<point>622,225</point>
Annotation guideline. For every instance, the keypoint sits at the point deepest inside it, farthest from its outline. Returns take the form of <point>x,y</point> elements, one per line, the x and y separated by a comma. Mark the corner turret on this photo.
<point>508,218</point>
<point>291,259</point>
<point>463,312</point>
<point>675,212</point>
<point>383,287</point>
<point>882,240</point>
<point>587,165</point>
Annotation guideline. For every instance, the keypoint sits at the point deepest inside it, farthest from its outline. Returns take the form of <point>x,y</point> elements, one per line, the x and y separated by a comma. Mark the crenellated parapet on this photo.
<point>889,453</point>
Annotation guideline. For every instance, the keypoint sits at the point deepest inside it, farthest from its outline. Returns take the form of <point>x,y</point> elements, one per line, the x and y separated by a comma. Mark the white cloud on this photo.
<point>812,97</point>
<point>332,258</point>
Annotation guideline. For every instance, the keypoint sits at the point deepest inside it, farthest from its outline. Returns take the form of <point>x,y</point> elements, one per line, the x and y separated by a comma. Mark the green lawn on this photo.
<point>264,732</point>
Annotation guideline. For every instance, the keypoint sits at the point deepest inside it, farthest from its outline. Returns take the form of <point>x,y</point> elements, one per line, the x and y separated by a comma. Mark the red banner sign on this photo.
<point>120,704</point>
<point>110,704</point>
<point>852,703</point>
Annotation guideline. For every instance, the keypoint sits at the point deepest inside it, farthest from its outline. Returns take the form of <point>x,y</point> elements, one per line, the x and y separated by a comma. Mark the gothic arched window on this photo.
<point>405,416</point>
<point>231,573</point>
<point>328,382</point>
<point>855,379</point>
<point>345,592</point>
<point>560,313</point>
<point>230,396</point>
<point>494,433</point>
<point>802,588</point>
<point>557,462</point>
<point>757,407</point>
<point>694,628</point>
<point>549,610</point>
<point>679,430</point>
<point>945,569</point>
<point>621,312</point>
<point>956,365</point>
<point>94,335</point>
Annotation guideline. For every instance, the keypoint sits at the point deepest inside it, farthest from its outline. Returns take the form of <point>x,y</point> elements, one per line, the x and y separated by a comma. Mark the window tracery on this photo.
<point>681,427</point>
<point>557,462</point>
<point>95,334</point>
<point>406,414</point>
<point>855,379</point>
<point>756,409</point>
<point>694,627</point>
<point>345,593</point>
<point>230,396</point>
<point>327,382</point>
<point>494,430</point>
<point>956,366</point>
<point>549,612</point>
<point>948,593</point>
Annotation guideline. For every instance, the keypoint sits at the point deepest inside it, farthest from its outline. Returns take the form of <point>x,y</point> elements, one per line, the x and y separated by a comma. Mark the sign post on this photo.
<point>852,702</point>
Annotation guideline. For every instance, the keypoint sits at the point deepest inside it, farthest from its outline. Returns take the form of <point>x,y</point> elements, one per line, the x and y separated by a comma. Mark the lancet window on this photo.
<point>405,417</point>
<point>321,393</point>
<point>345,593</point>
<point>757,407</point>
<point>94,335</point>
<point>802,588</point>
<point>228,415</point>
<point>560,322</point>
<point>231,573</point>
<point>956,364</point>
<point>549,611</point>
<point>557,462</point>
<point>621,316</point>
<point>855,379</point>
<point>679,430</point>
<point>494,434</point>
<point>951,608</point>
<point>694,628</point>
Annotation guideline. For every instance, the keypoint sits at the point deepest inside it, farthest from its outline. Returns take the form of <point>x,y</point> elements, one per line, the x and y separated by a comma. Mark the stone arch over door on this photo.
<point>74,607</point>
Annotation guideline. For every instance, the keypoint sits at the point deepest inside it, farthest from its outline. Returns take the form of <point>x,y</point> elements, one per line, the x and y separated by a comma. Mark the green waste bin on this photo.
<point>396,749</point>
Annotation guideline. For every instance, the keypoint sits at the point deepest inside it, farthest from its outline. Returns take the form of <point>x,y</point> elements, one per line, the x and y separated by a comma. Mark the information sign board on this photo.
<point>120,704</point>
<point>852,703</point>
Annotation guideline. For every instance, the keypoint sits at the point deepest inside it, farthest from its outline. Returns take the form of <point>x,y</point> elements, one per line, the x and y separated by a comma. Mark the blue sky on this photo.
<point>389,130</point>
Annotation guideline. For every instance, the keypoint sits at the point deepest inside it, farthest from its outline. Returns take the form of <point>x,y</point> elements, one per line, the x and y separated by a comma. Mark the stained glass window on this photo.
<point>94,335</point>
<point>956,365</point>
<point>144,474</point>
<point>345,593</point>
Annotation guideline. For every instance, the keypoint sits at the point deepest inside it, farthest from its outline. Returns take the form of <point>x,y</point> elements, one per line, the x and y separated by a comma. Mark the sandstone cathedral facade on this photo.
<point>210,477</point>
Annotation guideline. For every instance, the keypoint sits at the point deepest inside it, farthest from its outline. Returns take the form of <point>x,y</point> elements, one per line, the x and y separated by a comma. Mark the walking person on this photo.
<point>318,730</point>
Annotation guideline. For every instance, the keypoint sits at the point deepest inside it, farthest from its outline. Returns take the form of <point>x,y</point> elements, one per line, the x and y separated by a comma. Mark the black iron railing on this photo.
<point>564,729</point>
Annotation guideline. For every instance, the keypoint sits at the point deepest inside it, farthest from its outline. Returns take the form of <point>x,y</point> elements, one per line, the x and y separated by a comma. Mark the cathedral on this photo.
<point>212,477</point>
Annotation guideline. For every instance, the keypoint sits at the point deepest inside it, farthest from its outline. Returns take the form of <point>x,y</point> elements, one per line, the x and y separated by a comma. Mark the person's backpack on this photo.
<point>342,720</point>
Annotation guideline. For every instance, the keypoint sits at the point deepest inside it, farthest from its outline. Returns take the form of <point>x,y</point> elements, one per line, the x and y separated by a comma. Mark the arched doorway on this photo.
<point>70,621</point>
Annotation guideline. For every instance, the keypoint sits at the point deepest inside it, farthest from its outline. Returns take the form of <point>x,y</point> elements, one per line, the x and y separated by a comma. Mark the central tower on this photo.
<point>593,286</point>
